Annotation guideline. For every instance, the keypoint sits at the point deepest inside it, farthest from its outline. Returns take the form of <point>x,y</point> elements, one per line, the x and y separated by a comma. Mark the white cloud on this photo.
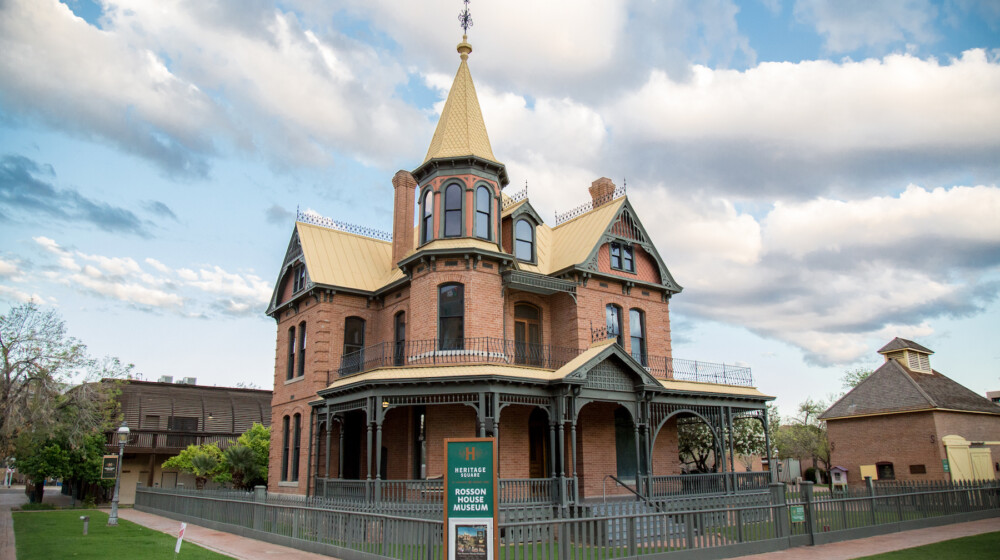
<point>832,277</point>
<point>9,269</point>
<point>14,294</point>
<point>217,281</point>
<point>848,25</point>
<point>160,267</point>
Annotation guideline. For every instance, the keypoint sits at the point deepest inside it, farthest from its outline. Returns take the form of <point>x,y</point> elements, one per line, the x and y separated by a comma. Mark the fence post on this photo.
<point>871,495</point>
<point>259,497</point>
<point>807,499</point>
<point>779,510</point>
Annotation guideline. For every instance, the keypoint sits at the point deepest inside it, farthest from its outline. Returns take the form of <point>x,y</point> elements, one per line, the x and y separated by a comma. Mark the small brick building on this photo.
<point>898,419</point>
<point>483,320</point>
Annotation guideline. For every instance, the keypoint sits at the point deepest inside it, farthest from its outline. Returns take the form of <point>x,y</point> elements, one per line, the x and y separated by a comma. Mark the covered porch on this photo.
<point>599,428</point>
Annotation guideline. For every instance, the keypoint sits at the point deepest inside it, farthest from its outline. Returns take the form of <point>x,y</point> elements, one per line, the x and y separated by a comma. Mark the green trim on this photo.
<point>416,256</point>
<point>473,165</point>
<point>444,202</point>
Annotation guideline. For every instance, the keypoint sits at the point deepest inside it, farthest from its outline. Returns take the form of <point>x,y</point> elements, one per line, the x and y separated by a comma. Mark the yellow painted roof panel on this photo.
<point>461,130</point>
<point>441,372</point>
<point>571,242</point>
<point>461,243</point>
<point>347,260</point>
<point>698,387</point>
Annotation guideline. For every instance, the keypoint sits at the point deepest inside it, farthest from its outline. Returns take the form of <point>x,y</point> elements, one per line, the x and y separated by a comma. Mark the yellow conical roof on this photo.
<point>461,130</point>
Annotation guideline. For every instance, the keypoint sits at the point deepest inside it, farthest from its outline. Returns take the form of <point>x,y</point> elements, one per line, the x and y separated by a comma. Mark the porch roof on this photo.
<point>453,372</point>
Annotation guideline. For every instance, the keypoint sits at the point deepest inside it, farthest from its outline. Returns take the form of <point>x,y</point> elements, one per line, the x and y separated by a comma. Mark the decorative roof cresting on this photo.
<point>461,130</point>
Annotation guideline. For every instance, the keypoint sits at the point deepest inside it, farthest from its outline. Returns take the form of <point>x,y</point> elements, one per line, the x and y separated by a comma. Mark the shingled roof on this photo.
<point>903,344</point>
<point>895,388</point>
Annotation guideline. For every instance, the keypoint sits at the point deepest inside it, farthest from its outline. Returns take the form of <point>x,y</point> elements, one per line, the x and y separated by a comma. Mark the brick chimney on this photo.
<point>405,187</point>
<point>601,191</point>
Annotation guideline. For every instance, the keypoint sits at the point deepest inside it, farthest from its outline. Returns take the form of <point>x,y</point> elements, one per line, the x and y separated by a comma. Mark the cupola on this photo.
<point>909,354</point>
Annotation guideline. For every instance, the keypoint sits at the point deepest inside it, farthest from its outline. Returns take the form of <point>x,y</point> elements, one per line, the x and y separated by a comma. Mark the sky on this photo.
<point>819,175</point>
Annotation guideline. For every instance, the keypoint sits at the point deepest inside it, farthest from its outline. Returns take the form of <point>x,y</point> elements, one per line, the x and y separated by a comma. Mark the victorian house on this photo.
<point>476,318</point>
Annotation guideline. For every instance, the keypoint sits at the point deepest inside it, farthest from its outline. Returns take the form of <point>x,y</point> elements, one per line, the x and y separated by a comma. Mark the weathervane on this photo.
<point>465,18</point>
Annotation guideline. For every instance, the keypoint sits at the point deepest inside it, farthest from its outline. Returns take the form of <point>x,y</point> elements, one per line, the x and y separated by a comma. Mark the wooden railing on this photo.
<point>163,439</point>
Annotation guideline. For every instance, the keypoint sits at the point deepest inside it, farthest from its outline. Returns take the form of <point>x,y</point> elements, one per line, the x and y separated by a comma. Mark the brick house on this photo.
<point>483,320</point>
<point>905,420</point>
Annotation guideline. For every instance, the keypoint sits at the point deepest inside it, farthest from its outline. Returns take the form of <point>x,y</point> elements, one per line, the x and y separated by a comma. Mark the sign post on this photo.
<point>470,499</point>
<point>109,467</point>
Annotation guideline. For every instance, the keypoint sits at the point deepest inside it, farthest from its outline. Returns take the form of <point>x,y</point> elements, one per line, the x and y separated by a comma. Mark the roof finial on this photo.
<point>465,18</point>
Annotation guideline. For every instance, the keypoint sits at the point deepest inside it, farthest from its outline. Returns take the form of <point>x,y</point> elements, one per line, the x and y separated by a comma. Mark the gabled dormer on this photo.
<point>909,354</point>
<point>293,279</point>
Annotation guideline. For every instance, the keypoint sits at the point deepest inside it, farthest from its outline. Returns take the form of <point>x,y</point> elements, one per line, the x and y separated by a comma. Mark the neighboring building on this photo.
<point>993,396</point>
<point>164,418</point>
<point>895,423</point>
<point>483,321</point>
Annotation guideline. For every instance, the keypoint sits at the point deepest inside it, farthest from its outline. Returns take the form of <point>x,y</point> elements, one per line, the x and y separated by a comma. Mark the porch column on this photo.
<point>773,474</point>
<point>720,461</point>
<point>732,445</point>
<point>368,457</point>
<point>309,453</point>
<point>552,449</point>
<point>340,449</point>
<point>638,456</point>
<point>329,429</point>
<point>481,414</point>
<point>379,418</point>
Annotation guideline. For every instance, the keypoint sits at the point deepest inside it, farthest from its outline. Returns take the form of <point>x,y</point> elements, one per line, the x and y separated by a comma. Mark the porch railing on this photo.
<point>709,483</point>
<point>164,439</point>
<point>480,350</point>
<point>519,491</point>
<point>665,367</point>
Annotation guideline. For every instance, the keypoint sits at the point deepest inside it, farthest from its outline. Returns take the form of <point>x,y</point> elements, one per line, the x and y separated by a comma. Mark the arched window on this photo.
<point>524,241</point>
<point>451,317</point>
<point>290,373</point>
<point>613,314</point>
<point>637,335</point>
<point>625,444</point>
<point>453,211</point>
<point>285,439</point>
<point>302,349</point>
<point>427,223</point>
<point>297,439</point>
<point>354,343</point>
<point>483,205</point>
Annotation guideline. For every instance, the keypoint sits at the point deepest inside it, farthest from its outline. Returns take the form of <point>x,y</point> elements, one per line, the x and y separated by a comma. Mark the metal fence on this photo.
<point>706,527</point>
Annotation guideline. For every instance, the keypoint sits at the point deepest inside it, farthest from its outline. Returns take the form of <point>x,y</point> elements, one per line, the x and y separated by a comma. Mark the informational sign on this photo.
<point>947,467</point>
<point>798,514</point>
<point>180,538</point>
<point>109,467</point>
<point>470,494</point>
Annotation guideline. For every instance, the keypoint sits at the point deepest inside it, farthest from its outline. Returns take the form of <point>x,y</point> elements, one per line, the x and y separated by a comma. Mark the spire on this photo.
<point>461,130</point>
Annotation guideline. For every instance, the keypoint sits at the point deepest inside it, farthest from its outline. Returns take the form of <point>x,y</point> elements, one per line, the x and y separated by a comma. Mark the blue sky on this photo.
<point>820,176</point>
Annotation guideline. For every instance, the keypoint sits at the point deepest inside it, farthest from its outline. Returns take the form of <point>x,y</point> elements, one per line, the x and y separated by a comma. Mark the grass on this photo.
<point>59,534</point>
<point>968,548</point>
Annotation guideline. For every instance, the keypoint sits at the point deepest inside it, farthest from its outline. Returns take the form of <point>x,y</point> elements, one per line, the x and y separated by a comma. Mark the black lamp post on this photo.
<point>122,439</point>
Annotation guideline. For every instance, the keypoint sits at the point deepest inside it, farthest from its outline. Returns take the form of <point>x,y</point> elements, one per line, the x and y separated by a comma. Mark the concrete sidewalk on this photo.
<point>218,541</point>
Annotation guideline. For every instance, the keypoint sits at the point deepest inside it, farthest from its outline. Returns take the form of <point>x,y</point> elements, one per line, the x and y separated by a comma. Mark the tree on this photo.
<point>258,439</point>
<point>37,358</point>
<point>242,466</point>
<point>203,461</point>
<point>696,444</point>
<point>805,435</point>
<point>853,377</point>
<point>47,459</point>
<point>748,436</point>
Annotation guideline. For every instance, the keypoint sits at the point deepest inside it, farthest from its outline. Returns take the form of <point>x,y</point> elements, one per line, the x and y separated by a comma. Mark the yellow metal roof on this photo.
<point>461,243</point>
<point>698,387</point>
<point>461,130</point>
<point>338,258</point>
<point>439,372</point>
<point>507,211</point>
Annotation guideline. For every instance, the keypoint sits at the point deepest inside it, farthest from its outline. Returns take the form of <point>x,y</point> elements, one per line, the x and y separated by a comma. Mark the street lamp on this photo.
<point>122,439</point>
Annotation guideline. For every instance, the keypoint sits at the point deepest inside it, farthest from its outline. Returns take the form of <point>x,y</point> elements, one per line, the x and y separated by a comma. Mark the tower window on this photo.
<point>453,211</point>
<point>427,223</point>
<point>285,439</point>
<point>483,205</point>
<point>296,450</point>
<point>524,241</point>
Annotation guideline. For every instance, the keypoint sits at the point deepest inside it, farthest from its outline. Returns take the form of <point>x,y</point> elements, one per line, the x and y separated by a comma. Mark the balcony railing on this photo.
<point>163,439</point>
<point>486,350</point>
<point>482,350</point>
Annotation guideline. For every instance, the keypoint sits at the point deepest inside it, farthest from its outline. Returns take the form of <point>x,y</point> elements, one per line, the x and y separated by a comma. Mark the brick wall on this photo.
<point>902,439</point>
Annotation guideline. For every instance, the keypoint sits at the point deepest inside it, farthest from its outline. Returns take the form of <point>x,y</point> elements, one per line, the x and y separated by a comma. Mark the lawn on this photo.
<point>968,548</point>
<point>59,534</point>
